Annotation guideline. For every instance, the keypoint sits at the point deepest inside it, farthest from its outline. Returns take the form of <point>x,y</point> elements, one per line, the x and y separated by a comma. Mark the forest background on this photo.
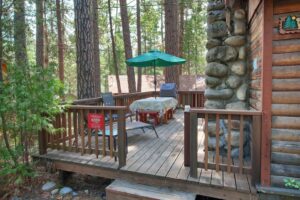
<point>192,13</point>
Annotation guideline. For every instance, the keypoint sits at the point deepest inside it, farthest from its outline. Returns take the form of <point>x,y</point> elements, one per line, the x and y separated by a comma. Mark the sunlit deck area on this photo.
<point>158,162</point>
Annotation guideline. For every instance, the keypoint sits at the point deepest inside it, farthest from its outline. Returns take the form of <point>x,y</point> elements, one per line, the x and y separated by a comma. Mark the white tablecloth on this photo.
<point>159,104</point>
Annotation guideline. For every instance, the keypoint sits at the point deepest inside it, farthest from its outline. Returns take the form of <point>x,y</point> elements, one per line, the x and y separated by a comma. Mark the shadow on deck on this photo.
<point>157,162</point>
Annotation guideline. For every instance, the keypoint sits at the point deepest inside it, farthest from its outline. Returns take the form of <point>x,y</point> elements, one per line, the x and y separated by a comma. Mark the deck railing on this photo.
<point>193,98</point>
<point>218,161</point>
<point>74,135</point>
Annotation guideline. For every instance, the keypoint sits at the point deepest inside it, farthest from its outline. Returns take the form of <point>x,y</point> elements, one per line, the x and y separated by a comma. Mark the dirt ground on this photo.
<point>86,187</point>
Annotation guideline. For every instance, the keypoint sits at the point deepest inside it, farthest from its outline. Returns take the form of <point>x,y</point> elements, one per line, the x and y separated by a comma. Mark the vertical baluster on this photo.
<point>58,135</point>
<point>89,137</point>
<point>241,143</point>
<point>70,129</point>
<point>64,126</point>
<point>206,142</point>
<point>97,142</point>
<point>103,137</point>
<point>75,122</point>
<point>229,145</point>
<point>217,141</point>
<point>111,139</point>
<point>81,120</point>
<point>52,135</point>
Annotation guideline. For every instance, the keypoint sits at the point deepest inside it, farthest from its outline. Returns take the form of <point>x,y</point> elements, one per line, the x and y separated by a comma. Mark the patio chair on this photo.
<point>108,100</point>
<point>168,90</point>
<point>129,126</point>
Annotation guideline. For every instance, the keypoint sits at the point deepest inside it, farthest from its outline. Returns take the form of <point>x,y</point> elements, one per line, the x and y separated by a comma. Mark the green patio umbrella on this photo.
<point>155,58</point>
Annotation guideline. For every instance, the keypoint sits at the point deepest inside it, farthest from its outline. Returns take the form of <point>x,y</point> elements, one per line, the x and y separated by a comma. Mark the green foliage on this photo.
<point>11,174</point>
<point>292,183</point>
<point>29,101</point>
<point>30,94</point>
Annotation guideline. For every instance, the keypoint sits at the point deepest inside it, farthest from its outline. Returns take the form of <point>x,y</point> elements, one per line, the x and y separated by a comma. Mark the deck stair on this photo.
<point>131,191</point>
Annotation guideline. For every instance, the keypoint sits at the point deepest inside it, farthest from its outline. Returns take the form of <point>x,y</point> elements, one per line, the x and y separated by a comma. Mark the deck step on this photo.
<point>120,189</point>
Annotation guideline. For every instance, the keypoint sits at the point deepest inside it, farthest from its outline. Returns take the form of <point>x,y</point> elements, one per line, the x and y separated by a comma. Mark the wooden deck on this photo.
<point>158,162</point>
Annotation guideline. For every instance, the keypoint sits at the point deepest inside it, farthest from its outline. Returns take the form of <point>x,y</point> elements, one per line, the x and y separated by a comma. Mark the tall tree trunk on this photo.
<point>60,43</point>
<point>181,31</point>
<point>127,45</point>
<point>86,85</point>
<point>116,68</point>
<point>171,38</point>
<point>96,47</point>
<point>46,38</point>
<point>40,33</point>
<point>139,42</point>
<point>162,23</point>
<point>20,33</point>
<point>21,57</point>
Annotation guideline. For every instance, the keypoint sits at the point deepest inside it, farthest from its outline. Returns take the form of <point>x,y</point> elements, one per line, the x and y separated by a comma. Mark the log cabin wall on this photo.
<point>285,148</point>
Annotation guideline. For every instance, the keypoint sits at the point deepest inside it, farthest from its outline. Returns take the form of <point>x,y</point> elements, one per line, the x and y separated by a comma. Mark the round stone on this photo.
<point>239,14</point>
<point>242,92</point>
<point>65,190</point>
<point>217,29</point>
<point>212,81</point>
<point>212,129</point>
<point>215,15</point>
<point>235,138</point>
<point>49,186</point>
<point>239,68</point>
<point>213,43</point>
<point>239,27</point>
<point>235,41</point>
<point>215,5</point>
<point>239,105</point>
<point>242,53</point>
<point>211,104</point>
<point>221,53</point>
<point>233,81</point>
<point>235,124</point>
<point>212,143</point>
<point>216,69</point>
<point>218,94</point>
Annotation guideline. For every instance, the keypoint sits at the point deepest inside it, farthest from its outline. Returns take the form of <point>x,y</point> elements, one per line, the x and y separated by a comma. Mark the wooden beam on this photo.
<point>266,91</point>
<point>286,6</point>
<point>42,135</point>
<point>193,144</point>
<point>202,189</point>
<point>186,139</point>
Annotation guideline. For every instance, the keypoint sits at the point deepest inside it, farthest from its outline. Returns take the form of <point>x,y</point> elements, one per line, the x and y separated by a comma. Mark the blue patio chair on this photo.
<point>108,100</point>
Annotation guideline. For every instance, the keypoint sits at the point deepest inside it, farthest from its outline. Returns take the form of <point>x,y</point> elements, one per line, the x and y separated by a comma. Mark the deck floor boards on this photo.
<point>161,157</point>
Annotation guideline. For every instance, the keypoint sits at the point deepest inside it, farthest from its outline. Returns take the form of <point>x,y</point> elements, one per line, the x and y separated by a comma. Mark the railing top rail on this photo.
<point>190,91</point>
<point>133,94</point>
<point>226,112</point>
<point>88,100</point>
<point>87,107</point>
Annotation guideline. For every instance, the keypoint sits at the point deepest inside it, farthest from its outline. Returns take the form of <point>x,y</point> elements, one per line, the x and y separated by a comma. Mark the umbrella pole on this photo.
<point>154,73</point>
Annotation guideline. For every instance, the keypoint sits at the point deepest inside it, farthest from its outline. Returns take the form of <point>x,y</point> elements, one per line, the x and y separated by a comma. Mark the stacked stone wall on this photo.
<point>226,71</point>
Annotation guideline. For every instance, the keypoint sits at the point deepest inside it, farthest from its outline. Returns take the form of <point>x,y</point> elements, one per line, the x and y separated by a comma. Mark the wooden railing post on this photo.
<point>193,144</point>
<point>186,138</point>
<point>256,149</point>
<point>122,147</point>
<point>42,142</point>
